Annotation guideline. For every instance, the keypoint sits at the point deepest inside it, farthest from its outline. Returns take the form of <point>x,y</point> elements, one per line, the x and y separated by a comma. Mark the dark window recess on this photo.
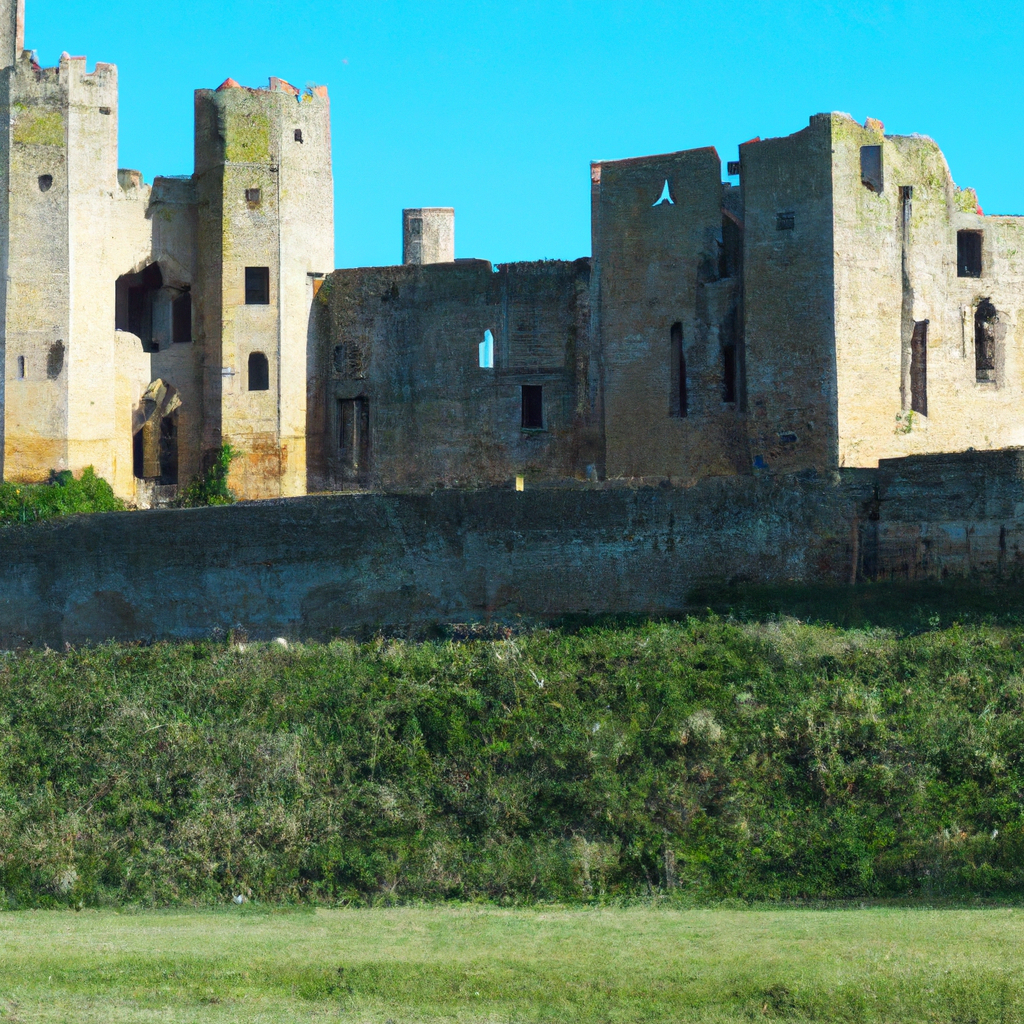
<point>416,227</point>
<point>45,182</point>
<point>871,167</point>
<point>906,205</point>
<point>55,360</point>
<point>677,393</point>
<point>919,368</point>
<point>298,134</point>
<point>785,221</point>
<point>21,367</point>
<point>168,450</point>
<point>731,250</point>
<point>259,372</point>
<point>988,333</point>
<point>533,407</point>
<point>104,110</point>
<point>181,317</point>
<point>133,304</point>
<point>253,196</point>
<point>354,433</point>
<point>729,374</point>
<point>968,254</point>
<point>257,286</point>
<point>733,168</point>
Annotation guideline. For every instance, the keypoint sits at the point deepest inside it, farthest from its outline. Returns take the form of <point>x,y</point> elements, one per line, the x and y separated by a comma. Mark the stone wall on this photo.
<point>321,566</point>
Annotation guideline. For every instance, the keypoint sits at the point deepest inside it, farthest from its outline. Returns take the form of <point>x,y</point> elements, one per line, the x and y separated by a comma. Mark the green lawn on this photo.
<point>551,965</point>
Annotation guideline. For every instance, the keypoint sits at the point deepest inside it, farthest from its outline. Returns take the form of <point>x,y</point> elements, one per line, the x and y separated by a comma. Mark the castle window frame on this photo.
<point>872,175</point>
<point>532,407</point>
<point>970,247</point>
<point>785,220</point>
<point>254,196</point>
<point>257,286</point>
<point>258,376</point>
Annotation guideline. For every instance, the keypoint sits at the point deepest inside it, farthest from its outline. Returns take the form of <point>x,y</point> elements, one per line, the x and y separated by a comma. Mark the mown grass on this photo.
<point>704,760</point>
<point>486,964</point>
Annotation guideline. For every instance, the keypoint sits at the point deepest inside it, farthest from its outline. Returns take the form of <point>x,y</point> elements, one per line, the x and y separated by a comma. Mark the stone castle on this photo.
<point>843,302</point>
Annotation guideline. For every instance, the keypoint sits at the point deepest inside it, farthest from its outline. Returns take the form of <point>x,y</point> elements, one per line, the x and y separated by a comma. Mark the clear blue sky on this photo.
<point>497,108</point>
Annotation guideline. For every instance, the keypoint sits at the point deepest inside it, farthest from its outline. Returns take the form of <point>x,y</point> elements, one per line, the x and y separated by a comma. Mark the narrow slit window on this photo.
<point>181,318</point>
<point>487,351</point>
<point>354,433</point>
<point>986,338</point>
<point>298,134</point>
<point>871,167</point>
<point>259,372</point>
<point>919,368</point>
<point>533,407</point>
<point>21,367</point>
<point>257,286</point>
<point>968,254</point>
<point>729,374</point>
<point>677,394</point>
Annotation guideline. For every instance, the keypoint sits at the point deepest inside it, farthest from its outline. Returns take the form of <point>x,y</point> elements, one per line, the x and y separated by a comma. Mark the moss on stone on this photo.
<point>248,138</point>
<point>38,127</point>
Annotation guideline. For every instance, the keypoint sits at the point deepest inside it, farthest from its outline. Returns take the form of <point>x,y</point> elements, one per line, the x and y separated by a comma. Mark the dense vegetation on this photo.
<point>709,758</point>
<point>62,496</point>
<point>211,486</point>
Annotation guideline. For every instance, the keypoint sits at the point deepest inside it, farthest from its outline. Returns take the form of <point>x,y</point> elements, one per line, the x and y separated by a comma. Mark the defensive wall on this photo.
<point>314,567</point>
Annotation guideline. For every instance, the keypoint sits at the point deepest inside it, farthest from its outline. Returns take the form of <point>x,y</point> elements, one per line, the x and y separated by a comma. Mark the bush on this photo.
<point>708,759</point>
<point>211,486</point>
<point>62,496</point>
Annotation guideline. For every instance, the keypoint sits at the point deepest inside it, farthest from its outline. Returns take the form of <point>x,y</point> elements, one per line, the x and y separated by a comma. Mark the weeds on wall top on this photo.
<point>62,495</point>
<point>211,486</point>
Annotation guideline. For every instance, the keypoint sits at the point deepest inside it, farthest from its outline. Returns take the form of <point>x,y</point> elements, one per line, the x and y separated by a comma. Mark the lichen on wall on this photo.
<point>37,127</point>
<point>247,137</point>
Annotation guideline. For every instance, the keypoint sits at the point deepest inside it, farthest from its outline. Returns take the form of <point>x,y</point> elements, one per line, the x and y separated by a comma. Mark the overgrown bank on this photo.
<point>709,758</point>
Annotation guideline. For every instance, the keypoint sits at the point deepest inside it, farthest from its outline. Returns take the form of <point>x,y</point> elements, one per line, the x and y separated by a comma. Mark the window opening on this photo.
<point>677,394</point>
<point>253,196</point>
<point>988,333</point>
<point>968,254</point>
<point>259,372</point>
<point>871,167</point>
<point>45,182</point>
<point>354,433</point>
<point>533,407</point>
<point>298,134</point>
<point>919,368</point>
<point>487,351</point>
<point>257,286</point>
<point>729,374</point>
<point>733,167</point>
<point>731,250</point>
<point>666,196</point>
<point>785,221</point>
<point>134,296</point>
<point>907,206</point>
<point>21,367</point>
<point>416,226</point>
<point>181,318</point>
<point>105,110</point>
<point>55,360</point>
<point>155,442</point>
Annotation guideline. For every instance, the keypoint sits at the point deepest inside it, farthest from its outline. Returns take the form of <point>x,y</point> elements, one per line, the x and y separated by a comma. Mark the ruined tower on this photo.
<point>428,235</point>
<point>266,241</point>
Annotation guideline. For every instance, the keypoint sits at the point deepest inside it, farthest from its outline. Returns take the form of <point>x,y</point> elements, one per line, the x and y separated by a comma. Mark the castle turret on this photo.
<point>266,241</point>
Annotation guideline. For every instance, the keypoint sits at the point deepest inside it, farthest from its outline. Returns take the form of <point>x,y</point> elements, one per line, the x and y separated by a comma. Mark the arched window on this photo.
<point>259,372</point>
<point>487,351</point>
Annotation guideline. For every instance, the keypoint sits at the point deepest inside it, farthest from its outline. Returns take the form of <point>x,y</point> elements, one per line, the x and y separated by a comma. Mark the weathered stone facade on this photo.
<point>844,302</point>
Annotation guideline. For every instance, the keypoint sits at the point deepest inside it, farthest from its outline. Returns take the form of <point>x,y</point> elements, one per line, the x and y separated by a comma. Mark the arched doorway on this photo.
<point>155,440</point>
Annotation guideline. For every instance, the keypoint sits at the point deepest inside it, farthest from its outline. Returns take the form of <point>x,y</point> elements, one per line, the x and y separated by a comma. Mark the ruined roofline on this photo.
<point>464,264</point>
<point>275,85</point>
<point>67,63</point>
<point>654,156</point>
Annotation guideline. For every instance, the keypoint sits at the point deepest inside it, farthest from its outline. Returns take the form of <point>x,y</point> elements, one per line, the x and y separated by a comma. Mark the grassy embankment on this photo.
<point>702,760</point>
<point>486,964</point>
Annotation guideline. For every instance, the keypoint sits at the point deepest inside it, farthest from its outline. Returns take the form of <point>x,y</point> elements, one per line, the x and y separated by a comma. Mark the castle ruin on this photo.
<point>837,302</point>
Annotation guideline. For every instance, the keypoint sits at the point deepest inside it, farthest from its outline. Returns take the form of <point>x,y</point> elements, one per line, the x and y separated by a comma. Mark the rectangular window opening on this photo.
<point>785,221</point>
<point>677,392</point>
<point>181,318</point>
<point>733,167</point>
<point>968,254</point>
<point>871,167</point>
<point>533,407</point>
<point>298,134</point>
<point>354,433</point>
<point>919,368</point>
<point>253,196</point>
<point>257,286</point>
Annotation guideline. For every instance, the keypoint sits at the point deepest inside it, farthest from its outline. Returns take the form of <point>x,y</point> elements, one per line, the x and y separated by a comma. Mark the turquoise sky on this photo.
<point>498,108</point>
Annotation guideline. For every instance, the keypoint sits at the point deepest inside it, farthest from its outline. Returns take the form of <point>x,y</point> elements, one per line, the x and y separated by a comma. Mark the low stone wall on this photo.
<point>322,566</point>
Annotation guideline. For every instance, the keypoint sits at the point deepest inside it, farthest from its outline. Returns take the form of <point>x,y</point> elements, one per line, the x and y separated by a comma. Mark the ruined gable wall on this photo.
<point>655,266</point>
<point>788,299</point>
<point>406,339</point>
<point>889,276</point>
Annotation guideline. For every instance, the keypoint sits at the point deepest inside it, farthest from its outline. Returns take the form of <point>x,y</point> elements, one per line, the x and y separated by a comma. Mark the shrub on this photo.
<point>63,495</point>
<point>211,486</point>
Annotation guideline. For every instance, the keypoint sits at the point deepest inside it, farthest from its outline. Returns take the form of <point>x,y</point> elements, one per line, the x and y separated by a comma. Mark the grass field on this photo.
<point>552,965</point>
